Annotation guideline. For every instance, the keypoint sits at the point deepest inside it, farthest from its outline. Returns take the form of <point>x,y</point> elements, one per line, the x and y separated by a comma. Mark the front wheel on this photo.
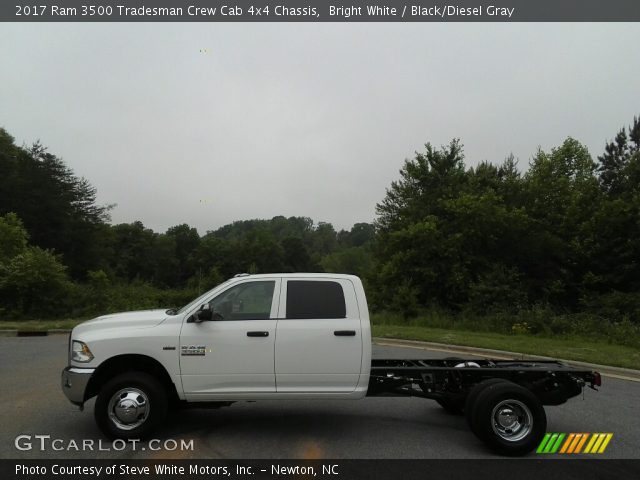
<point>130,405</point>
<point>509,419</point>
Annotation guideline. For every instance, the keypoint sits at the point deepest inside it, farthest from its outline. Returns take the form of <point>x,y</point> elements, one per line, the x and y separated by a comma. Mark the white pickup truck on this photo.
<point>292,336</point>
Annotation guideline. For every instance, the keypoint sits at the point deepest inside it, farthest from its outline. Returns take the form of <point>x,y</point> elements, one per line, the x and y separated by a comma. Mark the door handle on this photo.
<point>257,334</point>
<point>345,333</point>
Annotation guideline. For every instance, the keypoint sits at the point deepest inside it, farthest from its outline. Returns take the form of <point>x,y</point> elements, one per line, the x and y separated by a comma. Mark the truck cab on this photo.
<point>285,335</point>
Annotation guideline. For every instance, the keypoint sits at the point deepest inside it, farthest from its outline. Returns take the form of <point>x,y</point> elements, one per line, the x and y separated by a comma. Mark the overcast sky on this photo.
<point>210,123</point>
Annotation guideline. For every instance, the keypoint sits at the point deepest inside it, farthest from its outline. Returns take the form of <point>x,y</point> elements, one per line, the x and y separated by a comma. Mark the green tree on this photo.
<point>425,183</point>
<point>412,251</point>
<point>360,234</point>
<point>186,240</point>
<point>619,165</point>
<point>259,252</point>
<point>59,210</point>
<point>611,282</point>
<point>296,257</point>
<point>32,281</point>
<point>561,197</point>
<point>324,239</point>
<point>13,237</point>
<point>134,247</point>
<point>352,260</point>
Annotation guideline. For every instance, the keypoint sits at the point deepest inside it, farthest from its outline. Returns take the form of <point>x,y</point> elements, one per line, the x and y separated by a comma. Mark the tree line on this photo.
<point>561,236</point>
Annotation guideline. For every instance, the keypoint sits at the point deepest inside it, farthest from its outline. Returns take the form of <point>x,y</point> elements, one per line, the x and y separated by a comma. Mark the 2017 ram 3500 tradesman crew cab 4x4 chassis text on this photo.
<point>292,336</point>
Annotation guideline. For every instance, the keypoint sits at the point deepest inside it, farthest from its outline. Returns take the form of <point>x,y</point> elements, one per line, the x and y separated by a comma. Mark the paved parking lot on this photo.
<point>33,404</point>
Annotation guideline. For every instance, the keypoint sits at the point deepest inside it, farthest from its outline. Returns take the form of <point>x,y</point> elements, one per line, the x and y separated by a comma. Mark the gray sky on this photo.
<point>301,119</point>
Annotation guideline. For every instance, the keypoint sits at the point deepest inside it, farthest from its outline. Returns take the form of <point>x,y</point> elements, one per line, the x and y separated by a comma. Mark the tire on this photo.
<point>473,395</point>
<point>508,418</point>
<point>143,406</point>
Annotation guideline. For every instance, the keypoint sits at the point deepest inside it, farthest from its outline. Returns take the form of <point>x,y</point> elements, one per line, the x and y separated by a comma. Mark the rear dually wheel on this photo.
<point>508,418</point>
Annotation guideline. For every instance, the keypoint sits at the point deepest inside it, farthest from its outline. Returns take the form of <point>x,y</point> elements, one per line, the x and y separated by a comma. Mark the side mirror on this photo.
<point>204,314</point>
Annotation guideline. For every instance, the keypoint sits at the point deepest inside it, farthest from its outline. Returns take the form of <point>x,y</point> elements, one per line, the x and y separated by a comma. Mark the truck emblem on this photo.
<point>169,347</point>
<point>193,349</point>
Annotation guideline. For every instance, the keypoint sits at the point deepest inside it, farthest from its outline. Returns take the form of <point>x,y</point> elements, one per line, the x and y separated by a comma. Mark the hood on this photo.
<point>138,319</point>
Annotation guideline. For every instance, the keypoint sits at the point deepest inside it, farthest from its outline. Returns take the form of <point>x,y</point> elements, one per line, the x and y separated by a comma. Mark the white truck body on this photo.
<point>293,336</point>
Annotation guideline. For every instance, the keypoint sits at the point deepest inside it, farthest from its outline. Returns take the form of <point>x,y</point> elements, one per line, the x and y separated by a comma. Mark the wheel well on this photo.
<point>128,363</point>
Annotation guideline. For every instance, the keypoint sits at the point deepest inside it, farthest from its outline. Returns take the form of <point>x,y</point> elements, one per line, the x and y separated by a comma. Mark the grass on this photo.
<point>568,348</point>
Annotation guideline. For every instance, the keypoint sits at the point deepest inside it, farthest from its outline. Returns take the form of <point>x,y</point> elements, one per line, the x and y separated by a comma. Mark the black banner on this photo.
<point>321,469</point>
<point>319,11</point>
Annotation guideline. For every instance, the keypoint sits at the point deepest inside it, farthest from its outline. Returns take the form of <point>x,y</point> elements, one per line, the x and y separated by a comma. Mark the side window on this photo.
<point>315,299</point>
<point>247,301</point>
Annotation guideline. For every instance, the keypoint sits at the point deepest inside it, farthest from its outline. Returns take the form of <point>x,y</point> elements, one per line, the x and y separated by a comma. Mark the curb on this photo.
<point>33,333</point>
<point>606,370</point>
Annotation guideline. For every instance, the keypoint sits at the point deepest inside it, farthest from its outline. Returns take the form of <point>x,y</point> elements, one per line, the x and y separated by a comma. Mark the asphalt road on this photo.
<point>392,427</point>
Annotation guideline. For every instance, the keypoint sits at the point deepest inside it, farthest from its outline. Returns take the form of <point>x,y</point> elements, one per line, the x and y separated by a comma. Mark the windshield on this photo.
<point>196,301</point>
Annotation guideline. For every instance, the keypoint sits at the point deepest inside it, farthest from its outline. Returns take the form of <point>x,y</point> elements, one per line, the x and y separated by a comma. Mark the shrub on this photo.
<point>34,283</point>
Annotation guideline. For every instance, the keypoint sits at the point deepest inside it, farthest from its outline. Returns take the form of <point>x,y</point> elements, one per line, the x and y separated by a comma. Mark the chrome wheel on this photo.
<point>511,420</point>
<point>128,408</point>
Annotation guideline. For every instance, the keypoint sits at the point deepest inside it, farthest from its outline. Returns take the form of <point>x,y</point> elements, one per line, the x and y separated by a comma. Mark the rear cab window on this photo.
<point>308,299</point>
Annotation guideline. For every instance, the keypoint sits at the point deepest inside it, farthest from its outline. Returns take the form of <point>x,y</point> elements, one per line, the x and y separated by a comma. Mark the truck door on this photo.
<point>318,338</point>
<point>234,352</point>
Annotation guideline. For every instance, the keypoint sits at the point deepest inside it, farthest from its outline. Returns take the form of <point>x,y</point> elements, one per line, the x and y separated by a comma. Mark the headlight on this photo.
<point>80,352</point>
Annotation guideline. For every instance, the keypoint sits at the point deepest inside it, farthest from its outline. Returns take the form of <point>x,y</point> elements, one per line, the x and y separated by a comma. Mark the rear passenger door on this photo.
<point>318,336</point>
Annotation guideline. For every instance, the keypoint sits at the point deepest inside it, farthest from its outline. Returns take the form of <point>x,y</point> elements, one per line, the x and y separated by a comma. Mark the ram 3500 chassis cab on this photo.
<point>292,336</point>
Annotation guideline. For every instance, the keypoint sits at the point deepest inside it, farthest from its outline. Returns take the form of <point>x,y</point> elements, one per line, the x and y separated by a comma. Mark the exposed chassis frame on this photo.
<point>553,382</point>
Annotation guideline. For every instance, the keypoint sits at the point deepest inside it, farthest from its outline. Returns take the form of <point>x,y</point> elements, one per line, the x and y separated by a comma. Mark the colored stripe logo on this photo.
<point>574,443</point>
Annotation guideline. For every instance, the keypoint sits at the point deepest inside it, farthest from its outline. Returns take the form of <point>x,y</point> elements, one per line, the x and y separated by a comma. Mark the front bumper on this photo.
<point>74,383</point>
